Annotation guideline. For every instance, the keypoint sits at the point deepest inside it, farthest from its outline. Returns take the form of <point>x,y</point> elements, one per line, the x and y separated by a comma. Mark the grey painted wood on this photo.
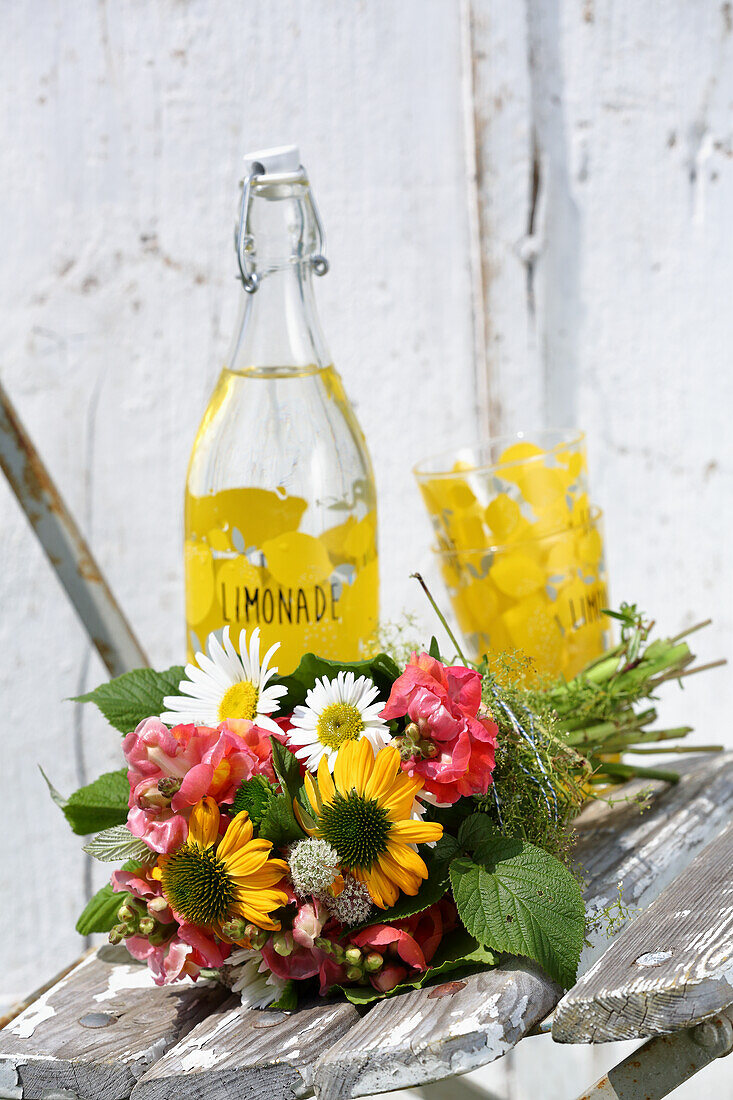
<point>431,1033</point>
<point>672,968</point>
<point>644,845</point>
<point>245,1052</point>
<point>97,1030</point>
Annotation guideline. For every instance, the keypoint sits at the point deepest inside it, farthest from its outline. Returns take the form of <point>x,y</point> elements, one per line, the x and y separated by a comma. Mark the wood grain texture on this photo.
<point>94,1033</point>
<point>643,845</point>
<point>238,1052</point>
<point>436,1032</point>
<point>673,966</point>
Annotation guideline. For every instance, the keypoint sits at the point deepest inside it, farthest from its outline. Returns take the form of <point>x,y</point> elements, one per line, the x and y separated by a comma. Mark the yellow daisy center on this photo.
<point>198,885</point>
<point>239,701</point>
<point>338,723</point>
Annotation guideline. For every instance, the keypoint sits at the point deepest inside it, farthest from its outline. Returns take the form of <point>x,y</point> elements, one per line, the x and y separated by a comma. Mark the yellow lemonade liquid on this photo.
<point>521,554</point>
<point>280,517</point>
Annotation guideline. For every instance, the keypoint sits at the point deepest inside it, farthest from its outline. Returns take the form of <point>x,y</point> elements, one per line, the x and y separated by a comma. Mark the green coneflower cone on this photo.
<point>198,886</point>
<point>357,827</point>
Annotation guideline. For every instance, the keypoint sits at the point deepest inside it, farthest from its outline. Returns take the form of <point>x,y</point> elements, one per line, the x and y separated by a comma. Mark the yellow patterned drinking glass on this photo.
<point>520,549</point>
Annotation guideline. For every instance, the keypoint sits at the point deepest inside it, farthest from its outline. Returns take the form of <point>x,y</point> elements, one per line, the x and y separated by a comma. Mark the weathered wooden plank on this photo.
<point>432,1033</point>
<point>642,844</point>
<point>97,1030</point>
<point>672,968</point>
<point>240,1051</point>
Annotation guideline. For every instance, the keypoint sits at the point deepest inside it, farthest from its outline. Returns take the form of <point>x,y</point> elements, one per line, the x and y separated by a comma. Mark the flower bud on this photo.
<point>324,945</point>
<point>256,936</point>
<point>168,786</point>
<point>126,913</point>
<point>157,905</point>
<point>373,962</point>
<point>160,934</point>
<point>354,973</point>
<point>283,943</point>
<point>146,926</point>
<point>353,956</point>
<point>116,935</point>
<point>235,929</point>
<point>428,749</point>
<point>412,732</point>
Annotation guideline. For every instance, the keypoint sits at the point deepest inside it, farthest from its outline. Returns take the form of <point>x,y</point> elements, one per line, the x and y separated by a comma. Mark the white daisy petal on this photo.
<point>208,681</point>
<point>314,736</point>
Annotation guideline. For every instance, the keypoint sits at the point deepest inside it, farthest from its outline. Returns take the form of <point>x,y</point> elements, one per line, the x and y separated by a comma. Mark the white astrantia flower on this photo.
<point>227,685</point>
<point>336,711</point>
<point>252,979</point>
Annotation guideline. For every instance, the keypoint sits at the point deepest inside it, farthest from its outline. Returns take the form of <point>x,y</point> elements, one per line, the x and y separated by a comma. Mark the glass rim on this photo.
<point>570,437</point>
<point>595,516</point>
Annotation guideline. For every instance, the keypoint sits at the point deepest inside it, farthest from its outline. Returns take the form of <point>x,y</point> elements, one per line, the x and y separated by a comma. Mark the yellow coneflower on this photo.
<point>363,812</point>
<point>210,881</point>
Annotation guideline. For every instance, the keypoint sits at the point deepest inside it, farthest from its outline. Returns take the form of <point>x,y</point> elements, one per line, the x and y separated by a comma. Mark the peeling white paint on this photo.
<point>123,977</point>
<point>200,1059</point>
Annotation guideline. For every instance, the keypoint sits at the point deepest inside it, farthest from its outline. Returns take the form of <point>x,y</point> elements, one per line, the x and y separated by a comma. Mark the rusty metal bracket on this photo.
<point>665,1062</point>
<point>65,546</point>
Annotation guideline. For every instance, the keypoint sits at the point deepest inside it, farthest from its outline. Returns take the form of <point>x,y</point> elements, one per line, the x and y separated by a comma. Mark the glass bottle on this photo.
<point>280,509</point>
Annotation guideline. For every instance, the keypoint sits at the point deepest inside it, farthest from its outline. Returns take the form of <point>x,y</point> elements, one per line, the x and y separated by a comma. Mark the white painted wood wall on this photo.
<point>590,142</point>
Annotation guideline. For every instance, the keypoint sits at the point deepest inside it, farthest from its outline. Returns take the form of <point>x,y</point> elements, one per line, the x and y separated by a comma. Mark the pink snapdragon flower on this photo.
<point>308,923</point>
<point>188,948</point>
<point>169,771</point>
<point>443,705</point>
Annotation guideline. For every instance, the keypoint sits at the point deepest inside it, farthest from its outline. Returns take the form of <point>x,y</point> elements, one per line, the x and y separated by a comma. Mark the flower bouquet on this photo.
<point>358,828</point>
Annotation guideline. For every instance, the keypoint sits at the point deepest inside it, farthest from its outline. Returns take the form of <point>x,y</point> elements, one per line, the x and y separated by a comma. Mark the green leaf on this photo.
<point>100,912</point>
<point>476,832</point>
<point>516,898</point>
<point>434,650</point>
<point>254,796</point>
<point>118,843</point>
<point>129,699</point>
<point>288,999</point>
<point>100,805</point>
<point>381,669</point>
<point>287,768</point>
<point>279,823</point>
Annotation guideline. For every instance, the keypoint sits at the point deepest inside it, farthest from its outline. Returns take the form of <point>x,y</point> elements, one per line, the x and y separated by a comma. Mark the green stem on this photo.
<point>639,737</point>
<point>630,771</point>
<point>441,616</point>
<point>679,749</point>
<point>690,630</point>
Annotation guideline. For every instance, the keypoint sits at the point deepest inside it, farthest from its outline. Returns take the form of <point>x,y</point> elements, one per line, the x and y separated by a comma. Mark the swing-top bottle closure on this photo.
<point>272,174</point>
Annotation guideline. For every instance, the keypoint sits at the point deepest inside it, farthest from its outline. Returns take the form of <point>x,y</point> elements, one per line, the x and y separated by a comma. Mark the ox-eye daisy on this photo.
<point>227,685</point>
<point>337,711</point>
